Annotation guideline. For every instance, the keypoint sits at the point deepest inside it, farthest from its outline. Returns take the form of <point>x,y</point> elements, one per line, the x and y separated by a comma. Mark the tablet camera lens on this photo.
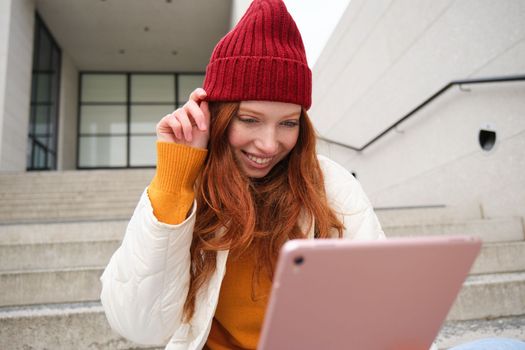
<point>298,260</point>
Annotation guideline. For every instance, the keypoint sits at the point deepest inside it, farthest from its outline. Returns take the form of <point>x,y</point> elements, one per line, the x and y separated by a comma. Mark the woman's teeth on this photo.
<point>258,160</point>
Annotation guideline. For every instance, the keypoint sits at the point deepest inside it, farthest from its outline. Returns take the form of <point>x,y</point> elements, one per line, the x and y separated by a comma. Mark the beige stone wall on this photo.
<point>15,81</point>
<point>386,57</point>
<point>5,10</point>
<point>68,115</point>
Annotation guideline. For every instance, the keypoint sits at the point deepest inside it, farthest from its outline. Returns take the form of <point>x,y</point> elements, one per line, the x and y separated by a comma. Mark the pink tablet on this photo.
<point>341,294</point>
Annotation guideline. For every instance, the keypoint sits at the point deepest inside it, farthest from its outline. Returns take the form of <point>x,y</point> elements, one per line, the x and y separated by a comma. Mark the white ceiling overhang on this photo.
<point>137,35</point>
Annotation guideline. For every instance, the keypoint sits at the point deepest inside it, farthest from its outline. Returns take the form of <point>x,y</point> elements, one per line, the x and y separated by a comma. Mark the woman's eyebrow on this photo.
<point>246,110</point>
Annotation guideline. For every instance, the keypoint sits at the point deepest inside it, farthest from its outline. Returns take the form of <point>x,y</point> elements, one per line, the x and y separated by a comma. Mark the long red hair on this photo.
<point>235,212</point>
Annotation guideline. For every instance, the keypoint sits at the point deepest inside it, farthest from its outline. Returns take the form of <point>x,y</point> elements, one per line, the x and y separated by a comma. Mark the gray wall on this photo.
<point>5,10</point>
<point>16,27</point>
<point>384,58</point>
<point>67,127</point>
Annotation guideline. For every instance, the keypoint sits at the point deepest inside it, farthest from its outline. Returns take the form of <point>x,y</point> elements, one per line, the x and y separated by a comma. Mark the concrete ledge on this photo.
<point>489,230</point>
<point>84,326</point>
<point>67,214</point>
<point>500,257</point>
<point>406,216</point>
<point>62,232</point>
<point>41,179</point>
<point>490,296</point>
<point>60,327</point>
<point>56,255</point>
<point>40,287</point>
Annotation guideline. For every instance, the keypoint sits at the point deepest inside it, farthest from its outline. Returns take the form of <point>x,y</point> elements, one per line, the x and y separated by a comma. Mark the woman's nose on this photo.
<point>267,142</point>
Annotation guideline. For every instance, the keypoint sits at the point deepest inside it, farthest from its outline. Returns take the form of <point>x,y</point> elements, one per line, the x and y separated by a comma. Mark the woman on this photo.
<point>237,176</point>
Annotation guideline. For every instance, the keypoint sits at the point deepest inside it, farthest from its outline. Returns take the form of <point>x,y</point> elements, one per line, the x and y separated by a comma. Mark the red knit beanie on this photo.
<point>261,58</point>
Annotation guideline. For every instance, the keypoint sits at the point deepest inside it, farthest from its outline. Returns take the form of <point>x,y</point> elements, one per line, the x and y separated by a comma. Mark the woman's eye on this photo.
<point>247,120</point>
<point>290,123</point>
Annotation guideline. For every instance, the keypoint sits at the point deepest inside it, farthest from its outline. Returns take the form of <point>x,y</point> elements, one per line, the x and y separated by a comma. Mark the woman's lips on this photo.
<point>257,161</point>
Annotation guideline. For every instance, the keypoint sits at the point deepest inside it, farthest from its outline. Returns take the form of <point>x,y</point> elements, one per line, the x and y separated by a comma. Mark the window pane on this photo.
<point>41,116</point>
<point>43,87</point>
<point>53,116</point>
<point>32,117</point>
<point>152,88</point>
<point>50,160</point>
<point>42,141</point>
<point>145,118</point>
<point>103,88</point>
<point>29,153</point>
<point>39,157</point>
<point>188,83</point>
<point>44,100</point>
<point>55,74</point>
<point>102,151</point>
<point>103,119</point>
<point>143,150</point>
<point>55,58</point>
<point>44,51</point>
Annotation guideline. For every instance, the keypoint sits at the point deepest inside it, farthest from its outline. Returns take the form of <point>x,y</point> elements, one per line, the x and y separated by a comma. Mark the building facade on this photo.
<point>82,85</point>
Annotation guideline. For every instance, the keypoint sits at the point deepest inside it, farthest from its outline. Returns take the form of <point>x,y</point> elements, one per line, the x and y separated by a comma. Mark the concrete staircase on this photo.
<point>58,231</point>
<point>492,300</point>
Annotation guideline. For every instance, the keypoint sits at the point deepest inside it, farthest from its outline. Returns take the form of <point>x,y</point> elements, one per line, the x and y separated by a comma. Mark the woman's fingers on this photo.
<point>175,125</point>
<point>198,95</point>
<point>188,124</point>
<point>197,114</point>
<point>206,111</point>
<point>187,128</point>
<point>167,130</point>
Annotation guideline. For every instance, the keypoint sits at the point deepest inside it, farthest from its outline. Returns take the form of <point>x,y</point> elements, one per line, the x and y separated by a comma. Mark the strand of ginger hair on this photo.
<point>236,213</point>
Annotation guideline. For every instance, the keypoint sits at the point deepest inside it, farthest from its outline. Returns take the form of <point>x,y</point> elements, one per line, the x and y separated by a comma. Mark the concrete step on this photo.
<point>56,255</point>
<point>60,327</point>
<point>490,296</point>
<point>59,245</point>
<point>69,206</point>
<point>62,232</point>
<point>66,252</point>
<point>431,214</point>
<point>77,202</point>
<point>24,191</point>
<point>489,230</point>
<point>50,286</point>
<point>8,179</point>
<point>460,332</point>
<point>500,257</point>
<point>61,195</point>
<point>84,326</point>
<point>68,215</point>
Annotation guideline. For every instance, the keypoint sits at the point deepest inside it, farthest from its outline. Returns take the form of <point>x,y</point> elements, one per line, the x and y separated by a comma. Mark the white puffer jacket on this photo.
<point>145,284</point>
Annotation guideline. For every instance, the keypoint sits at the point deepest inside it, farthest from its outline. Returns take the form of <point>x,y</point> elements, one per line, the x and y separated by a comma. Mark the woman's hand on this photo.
<point>188,125</point>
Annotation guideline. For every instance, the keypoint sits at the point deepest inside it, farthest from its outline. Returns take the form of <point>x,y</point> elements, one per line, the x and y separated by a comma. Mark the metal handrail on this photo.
<point>424,103</point>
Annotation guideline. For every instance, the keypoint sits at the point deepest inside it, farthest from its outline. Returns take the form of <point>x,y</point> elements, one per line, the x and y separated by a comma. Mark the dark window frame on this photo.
<point>53,101</point>
<point>128,104</point>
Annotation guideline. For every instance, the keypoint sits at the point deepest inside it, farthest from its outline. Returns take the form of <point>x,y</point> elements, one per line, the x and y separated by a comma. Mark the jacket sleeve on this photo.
<point>145,284</point>
<point>347,198</point>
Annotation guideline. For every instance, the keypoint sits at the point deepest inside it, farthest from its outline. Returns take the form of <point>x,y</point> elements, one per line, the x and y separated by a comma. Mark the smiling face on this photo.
<point>262,134</point>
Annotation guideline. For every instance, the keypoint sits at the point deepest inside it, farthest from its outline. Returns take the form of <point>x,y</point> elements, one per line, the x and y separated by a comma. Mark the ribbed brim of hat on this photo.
<point>263,78</point>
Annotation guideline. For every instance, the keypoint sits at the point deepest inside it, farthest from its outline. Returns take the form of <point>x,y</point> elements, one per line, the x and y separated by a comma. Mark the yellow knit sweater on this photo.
<point>240,311</point>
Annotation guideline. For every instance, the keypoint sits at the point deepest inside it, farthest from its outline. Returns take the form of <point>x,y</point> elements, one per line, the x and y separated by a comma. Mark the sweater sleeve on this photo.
<point>171,191</point>
<point>147,279</point>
